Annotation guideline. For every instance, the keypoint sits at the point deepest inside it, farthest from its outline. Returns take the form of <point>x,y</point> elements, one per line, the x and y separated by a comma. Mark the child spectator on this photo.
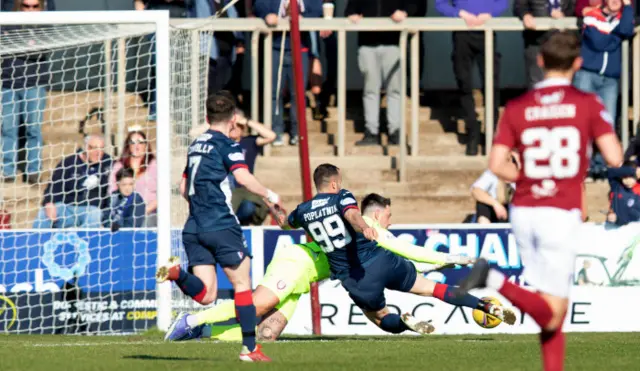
<point>492,197</point>
<point>126,208</point>
<point>625,194</point>
<point>138,155</point>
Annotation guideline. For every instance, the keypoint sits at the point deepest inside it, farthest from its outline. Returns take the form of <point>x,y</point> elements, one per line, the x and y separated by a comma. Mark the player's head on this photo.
<point>378,208</point>
<point>125,178</point>
<point>221,113</point>
<point>327,178</point>
<point>630,181</point>
<point>560,54</point>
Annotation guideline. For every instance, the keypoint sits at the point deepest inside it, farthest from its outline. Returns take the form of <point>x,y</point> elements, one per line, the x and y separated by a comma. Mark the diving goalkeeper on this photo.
<point>295,267</point>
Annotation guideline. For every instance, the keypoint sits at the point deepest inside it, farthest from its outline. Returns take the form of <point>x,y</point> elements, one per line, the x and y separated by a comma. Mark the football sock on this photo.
<point>553,348</point>
<point>446,294</point>
<point>529,302</point>
<point>393,323</point>
<point>222,312</point>
<point>191,286</point>
<point>246,313</point>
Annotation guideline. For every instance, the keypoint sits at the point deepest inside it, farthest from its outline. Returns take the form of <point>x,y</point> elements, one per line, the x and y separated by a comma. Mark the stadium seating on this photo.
<point>437,190</point>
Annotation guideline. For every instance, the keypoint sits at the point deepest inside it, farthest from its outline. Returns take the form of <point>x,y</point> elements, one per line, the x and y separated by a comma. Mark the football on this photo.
<point>486,320</point>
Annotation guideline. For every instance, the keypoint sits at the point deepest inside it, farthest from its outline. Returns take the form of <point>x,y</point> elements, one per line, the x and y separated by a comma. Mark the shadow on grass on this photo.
<point>145,357</point>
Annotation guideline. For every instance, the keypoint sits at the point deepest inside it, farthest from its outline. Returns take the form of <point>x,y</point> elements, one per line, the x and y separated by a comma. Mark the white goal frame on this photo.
<point>163,140</point>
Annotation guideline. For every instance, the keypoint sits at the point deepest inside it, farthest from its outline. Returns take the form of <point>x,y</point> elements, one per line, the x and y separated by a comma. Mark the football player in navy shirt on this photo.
<point>212,234</point>
<point>363,267</point>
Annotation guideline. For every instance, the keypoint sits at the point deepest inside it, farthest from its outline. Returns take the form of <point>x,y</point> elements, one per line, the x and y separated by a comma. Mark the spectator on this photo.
<point>468,47</point>
<point>379,62</point>
<point>138,156</point>
<point>331,59</point>
<point>315,74</point>
<point>25,78</point>
<point>9,5</point>
<point>249,209</point>
<point>625,194</point>
<point>583,279</point>
<point>126,207</point>
<point>584,6</point>
<point>225,47</point>
<point>177,9</point>
<point>527,11</point>
<point>603,32</point>
<point>271,11</point>
<point>492,197</point>
<point>633,151</point>
<point>78,190</point>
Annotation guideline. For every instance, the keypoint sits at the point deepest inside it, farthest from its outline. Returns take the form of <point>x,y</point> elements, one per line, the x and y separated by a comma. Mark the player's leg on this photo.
<point>367,292</point>
<point>274,322</point>
<point>548,261</point>
<point>449,294</point>
<point>233,256</point>
<point>201,283</point>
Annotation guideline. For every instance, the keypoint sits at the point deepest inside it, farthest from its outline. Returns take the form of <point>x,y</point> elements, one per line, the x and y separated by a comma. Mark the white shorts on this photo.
<point>547,243</point>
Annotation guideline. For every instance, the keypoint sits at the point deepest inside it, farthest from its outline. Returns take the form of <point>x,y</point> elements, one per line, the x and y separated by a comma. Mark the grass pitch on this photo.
<point>586,351</point>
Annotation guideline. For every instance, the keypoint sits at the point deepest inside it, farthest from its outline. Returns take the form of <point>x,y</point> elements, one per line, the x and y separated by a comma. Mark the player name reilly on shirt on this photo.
<point>200,148</point>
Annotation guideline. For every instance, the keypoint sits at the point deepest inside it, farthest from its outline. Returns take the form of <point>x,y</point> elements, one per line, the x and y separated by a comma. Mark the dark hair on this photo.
<point>220,108</point>
<point>630,163</point>
<point>374,199</point>
<point>125,159</point>
<point>323,173</point>
<point>125,172</point>
<point>227,94</point>
<point>560,50</point>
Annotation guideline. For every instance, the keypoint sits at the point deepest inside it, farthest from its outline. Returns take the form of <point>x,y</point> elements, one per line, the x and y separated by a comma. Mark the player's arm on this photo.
<point>416,253</point>
<point>234,161</point>
<point>611,149</point>
<point>354,218</point>
<point>183,185</point>
<point>605,138</point>
<point>500,163</point>
<point>350,211</point>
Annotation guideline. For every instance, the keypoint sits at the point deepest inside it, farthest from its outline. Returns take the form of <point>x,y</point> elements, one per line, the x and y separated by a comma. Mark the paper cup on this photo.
<point>327,10</point>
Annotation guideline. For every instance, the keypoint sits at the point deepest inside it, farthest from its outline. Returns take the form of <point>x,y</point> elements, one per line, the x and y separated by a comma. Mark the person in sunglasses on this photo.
<point>137,154</point>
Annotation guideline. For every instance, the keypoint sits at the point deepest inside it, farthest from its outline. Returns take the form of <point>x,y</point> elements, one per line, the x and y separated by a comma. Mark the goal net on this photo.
<point>80,101</point>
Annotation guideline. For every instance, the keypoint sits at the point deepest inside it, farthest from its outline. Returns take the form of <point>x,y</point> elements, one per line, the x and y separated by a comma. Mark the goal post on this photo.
<point>67,272</point>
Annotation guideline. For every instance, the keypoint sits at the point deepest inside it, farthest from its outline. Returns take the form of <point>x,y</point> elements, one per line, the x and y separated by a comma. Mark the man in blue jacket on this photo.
<point>78,190</point>
<point>603,32</point>
<point>271,11</point>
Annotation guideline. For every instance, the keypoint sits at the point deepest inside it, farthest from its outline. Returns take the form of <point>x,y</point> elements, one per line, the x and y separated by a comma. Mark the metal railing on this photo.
<point>409,27</point>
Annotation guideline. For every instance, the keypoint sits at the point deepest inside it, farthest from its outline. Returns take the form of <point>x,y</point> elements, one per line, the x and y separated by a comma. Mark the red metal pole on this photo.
<point>303,143</point>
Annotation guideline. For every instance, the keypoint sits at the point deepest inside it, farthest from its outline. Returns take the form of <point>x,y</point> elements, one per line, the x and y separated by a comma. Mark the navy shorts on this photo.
<point>388,270</point>
<point>226,247</point>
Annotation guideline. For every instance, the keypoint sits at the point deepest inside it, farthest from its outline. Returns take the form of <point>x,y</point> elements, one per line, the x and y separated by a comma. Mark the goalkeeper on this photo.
<point>289,275</point>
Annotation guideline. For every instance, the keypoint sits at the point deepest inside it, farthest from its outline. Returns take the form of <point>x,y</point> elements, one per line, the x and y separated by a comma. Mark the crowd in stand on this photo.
<point>88,189</point>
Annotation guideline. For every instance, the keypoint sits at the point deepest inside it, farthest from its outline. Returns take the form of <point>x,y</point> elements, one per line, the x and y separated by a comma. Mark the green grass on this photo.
<point>587,351</point>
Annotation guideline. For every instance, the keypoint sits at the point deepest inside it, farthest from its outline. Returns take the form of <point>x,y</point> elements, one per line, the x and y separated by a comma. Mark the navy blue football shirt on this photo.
<point>323,219</point>
<point>211,157</point>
